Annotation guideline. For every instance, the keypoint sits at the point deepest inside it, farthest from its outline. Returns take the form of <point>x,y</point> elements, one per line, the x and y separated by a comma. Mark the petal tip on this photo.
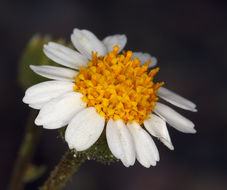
<point>170,146</point>
<point>194,110</point>
<point>46,45</point>
<point>32,67</point>
<point>76,30</point>
<point>38,121</point>
<point>24,99</point>
<point>194,131</point>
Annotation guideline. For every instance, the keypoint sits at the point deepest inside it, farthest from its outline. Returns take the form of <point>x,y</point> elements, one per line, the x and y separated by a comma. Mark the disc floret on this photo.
<point>118,87</point>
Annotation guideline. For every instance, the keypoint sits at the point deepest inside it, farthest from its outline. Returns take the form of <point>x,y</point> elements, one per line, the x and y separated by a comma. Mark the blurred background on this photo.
<point>188,38</point>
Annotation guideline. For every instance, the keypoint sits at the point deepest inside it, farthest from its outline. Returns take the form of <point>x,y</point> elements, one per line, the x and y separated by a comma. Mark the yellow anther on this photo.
<point>94,94</point>
<point>128,56</point>
<point>94,79</point>
<point>100,64</point>
<point>147,63</point>
<point>116,69</point>
<point>128,83</point>
<point>107,94</point>
<point>150,91</point>
<point>136,62</point>
<point>143,68</point>
<point>81,76</point>
<point>99,67</point>
<point>153,72</point>
<point>115,50</point>
<point>110,57</point>
<point>120,92</point>
<point>121,78</point>
<point>94,57</point>
<point>118,87</point>
<point>146,82</point>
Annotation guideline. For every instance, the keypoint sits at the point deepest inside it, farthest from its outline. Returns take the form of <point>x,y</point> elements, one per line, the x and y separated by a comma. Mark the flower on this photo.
<point>100,87</point>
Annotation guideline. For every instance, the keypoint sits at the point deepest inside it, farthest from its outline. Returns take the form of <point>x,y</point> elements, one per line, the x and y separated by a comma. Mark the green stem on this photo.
<point>68,165</point>
<point>25,154</point>
<point>72,160</point>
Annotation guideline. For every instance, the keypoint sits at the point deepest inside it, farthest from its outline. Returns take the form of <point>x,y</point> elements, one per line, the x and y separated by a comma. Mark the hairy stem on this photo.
<point>68,165</point>
<point>25,154</point>
<point>72,160</point>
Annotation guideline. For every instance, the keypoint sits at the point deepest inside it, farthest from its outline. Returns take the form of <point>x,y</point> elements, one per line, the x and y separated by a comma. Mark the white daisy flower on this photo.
<point>102,87</point>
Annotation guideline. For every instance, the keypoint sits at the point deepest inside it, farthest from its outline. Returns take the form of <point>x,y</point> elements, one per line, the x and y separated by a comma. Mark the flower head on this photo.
<point>104,87</point>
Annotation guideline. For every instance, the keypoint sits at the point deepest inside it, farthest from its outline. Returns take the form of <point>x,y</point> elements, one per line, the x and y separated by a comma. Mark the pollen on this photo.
<point>118,87</point>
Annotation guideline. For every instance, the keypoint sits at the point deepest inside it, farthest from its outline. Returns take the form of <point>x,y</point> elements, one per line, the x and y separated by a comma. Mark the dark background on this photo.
<point>189,40</point>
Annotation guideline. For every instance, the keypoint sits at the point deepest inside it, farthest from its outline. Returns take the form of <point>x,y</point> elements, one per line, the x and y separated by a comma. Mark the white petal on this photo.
<point>110,41</point>
<point>86,42</point>
<point>144,57</point>
<point>146,150</point>
<point>64,55</point>
<point>56,73</point>
<point>176,99</point>
<point>52,125</point>
<point>38,95</point>
<point>157,127</point>
<point>174,119</point>
<point>36,106</point>
<point>120,142</point>
<point>112,135</point>
<point>84,129</point>
<point>59,111</point>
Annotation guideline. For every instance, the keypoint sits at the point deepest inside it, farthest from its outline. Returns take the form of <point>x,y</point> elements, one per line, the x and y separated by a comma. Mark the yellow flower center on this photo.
<point>118,87</point>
